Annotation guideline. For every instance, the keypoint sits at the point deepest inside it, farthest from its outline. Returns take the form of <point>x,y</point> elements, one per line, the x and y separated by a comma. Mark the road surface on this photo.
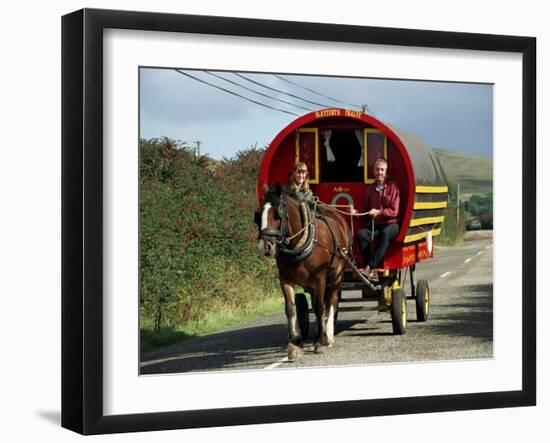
<point>460,326</point>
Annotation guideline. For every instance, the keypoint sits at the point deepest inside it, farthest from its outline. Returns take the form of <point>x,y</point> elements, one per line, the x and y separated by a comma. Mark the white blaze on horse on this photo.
<point>310,250</point>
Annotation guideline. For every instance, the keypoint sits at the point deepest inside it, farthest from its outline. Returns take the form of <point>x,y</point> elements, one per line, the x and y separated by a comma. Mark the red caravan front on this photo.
<point>340,147</point>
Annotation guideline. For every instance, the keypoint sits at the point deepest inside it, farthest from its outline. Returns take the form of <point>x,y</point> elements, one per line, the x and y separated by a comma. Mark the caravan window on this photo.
<point>337,155</point>
<point>341,155</point>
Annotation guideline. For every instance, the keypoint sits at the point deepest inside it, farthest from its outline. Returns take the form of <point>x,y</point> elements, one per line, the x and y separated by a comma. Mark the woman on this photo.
<point>297,182</point>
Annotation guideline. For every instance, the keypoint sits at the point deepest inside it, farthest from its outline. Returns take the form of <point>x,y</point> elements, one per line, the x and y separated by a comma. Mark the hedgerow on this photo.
<point>198,250</point>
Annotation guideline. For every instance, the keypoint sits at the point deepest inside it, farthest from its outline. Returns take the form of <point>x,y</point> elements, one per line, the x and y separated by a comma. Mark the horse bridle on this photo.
<point>277,235</point>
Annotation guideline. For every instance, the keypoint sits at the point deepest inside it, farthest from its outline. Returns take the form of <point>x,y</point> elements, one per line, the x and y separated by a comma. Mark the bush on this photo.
<point>197,240</point>
<point>479,204</point>
<point>451,232</point>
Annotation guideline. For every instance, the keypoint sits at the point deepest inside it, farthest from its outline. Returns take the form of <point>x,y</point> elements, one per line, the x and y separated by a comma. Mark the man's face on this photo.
<point>380,172</point>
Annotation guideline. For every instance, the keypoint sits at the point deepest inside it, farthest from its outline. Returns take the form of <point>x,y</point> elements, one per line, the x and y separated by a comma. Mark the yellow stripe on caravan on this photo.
<point>431,189</point>
<point>426,221</point>
<point>414,237</point>
<point>429,205</point>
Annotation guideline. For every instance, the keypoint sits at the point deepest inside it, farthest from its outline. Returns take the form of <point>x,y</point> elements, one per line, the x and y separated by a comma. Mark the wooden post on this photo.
<point>458,205</point>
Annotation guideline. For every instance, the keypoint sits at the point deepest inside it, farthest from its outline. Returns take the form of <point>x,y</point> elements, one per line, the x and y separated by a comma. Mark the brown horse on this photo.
<point>310,251</point>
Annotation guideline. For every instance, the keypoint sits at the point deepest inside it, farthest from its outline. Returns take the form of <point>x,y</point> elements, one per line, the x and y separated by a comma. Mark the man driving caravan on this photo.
<point>381,204</point>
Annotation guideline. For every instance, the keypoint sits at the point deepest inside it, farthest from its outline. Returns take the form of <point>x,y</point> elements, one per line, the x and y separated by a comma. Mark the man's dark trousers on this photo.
<point>383,233</point>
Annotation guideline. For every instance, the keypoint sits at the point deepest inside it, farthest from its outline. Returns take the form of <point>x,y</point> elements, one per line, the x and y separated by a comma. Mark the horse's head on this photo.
<point>270,219</point>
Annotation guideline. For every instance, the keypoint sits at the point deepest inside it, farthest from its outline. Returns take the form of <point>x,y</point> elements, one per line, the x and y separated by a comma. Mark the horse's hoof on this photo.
<point>294,352</point>
<point>318,349</point>
<point>330,343</point>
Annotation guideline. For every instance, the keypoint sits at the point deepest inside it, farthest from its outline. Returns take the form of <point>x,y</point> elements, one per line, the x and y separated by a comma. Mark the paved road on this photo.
<point>460,326</point>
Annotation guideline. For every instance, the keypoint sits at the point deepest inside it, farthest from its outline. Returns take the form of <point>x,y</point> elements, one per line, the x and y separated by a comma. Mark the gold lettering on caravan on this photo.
<point>355,114</point>
<point>422,251</point>
<point>408,259</point>
<point>328,113</point>
<point>408,255</point>
<point>340,189</point>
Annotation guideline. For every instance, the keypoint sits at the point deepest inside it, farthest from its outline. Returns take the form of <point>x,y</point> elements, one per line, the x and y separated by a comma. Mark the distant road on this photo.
<point>460,325</point>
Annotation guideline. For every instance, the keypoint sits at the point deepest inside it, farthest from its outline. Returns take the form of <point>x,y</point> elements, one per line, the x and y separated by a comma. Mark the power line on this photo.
<point>282,92</point>
<point>315,92</point>
<point>233,93</point>
<point>257,92</point>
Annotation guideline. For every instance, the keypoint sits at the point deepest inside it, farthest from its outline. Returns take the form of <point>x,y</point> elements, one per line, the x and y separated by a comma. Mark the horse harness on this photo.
<point>303,249</point>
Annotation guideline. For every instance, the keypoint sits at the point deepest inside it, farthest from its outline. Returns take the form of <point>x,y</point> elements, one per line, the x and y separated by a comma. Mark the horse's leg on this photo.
<point>331,307</point>
<point>294,334</point>
<point>319,309</point>
<point>331,299</point>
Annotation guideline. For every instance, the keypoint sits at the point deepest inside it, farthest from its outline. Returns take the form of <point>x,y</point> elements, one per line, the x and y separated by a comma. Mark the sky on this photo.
<point>453,116</point>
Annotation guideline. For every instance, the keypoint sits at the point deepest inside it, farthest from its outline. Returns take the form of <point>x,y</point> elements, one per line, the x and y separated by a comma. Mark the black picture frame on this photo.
<point>82,218</point>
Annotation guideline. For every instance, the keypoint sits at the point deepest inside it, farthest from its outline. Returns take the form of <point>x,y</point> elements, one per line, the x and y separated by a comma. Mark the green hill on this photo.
<point>474,173</point>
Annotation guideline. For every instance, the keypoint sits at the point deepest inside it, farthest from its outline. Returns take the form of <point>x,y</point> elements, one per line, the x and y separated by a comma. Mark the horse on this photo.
<point>310,250</point>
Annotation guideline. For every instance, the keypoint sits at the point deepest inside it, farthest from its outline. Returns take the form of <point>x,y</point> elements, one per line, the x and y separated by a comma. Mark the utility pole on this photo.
<point>458,204</point>
<point>198,148</point>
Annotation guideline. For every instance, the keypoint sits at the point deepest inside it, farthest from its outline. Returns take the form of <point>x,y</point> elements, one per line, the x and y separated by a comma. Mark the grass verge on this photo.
<point>214,322</point>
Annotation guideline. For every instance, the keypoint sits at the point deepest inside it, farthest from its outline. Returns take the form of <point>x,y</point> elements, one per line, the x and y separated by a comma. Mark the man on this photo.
<point>381,203</point>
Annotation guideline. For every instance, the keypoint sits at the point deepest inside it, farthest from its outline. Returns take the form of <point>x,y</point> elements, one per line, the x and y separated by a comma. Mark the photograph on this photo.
<point>290,221</point>
<point>277,221</point>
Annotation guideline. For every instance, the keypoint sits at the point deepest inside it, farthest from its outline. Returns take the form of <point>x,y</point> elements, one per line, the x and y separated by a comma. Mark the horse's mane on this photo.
<point>273,195</point>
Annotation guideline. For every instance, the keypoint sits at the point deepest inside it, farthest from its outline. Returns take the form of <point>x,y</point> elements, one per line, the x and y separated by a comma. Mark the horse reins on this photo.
<point>287,240</point>
<point>338,250</point>
<point>278,235</point>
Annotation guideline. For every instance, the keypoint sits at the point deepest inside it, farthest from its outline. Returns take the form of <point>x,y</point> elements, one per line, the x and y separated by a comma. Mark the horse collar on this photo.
<point>282,211</point>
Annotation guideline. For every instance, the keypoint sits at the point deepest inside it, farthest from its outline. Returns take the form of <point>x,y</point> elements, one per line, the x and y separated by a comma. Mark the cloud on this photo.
<point>454,116</point>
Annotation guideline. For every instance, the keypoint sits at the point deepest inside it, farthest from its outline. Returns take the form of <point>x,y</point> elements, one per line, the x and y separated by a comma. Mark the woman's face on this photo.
<point>300,176</point>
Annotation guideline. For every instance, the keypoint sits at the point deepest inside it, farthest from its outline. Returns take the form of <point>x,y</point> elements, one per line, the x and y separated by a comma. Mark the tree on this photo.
<point>479,204</point>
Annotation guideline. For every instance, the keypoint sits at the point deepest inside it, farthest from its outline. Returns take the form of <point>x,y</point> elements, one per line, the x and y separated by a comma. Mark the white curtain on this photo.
<point>359,134</point>
<point>327,133</point>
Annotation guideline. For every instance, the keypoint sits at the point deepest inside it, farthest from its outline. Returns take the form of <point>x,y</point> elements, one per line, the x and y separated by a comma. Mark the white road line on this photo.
<point>480,252</point>
<point>444,275</point>
<point>467,260</point>
<point>277,363</point>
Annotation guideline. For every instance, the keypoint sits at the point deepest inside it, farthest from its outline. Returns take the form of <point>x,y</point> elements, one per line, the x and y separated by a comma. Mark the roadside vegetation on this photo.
<point>480,207</point>
<point>452,232</point>
<point>199,267</point>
